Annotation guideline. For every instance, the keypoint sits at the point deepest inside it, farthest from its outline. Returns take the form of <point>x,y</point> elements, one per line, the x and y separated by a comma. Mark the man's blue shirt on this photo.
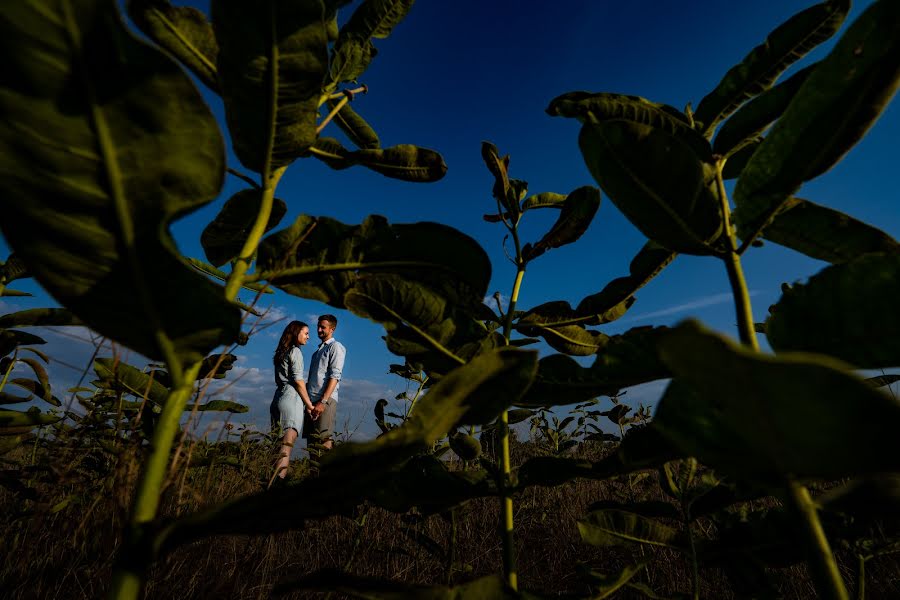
<point>327,362</point>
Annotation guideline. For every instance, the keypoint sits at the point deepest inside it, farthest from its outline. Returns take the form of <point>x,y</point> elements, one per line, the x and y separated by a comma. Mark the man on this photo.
<point>325,369</point>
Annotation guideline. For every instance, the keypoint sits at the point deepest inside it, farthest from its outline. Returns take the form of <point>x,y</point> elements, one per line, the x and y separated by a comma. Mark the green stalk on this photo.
<point>861,577</point>
<point>242,264</point>
<point>743,309</point>
<point>509,548</point>
<point>130,572</point>
<point>829,585</point>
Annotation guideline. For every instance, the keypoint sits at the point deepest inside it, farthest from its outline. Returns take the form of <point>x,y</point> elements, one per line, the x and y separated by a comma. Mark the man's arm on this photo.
<point>333,374</point>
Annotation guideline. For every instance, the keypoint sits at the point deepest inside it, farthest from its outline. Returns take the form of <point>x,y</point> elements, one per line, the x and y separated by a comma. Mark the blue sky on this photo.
<point>457,73</point>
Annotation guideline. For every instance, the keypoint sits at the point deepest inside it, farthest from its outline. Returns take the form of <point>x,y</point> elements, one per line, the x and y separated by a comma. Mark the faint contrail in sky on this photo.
<point>703,302</point>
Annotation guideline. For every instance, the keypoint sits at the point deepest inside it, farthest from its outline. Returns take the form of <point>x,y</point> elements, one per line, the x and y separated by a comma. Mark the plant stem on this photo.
<point>134,558</point>
<point>509,548</point>
<point>732,259</point>
<point>861,577</point>
<point>242,264</point>
<point>829,584</point>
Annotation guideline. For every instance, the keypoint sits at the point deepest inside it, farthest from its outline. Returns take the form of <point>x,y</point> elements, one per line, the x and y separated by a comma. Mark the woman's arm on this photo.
<point>300,386</point>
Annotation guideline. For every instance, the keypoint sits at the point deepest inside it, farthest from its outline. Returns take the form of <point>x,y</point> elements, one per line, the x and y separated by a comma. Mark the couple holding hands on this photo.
<point>306,405</point>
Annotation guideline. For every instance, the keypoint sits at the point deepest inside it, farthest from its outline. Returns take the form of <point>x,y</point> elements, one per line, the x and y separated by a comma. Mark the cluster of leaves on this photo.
<point>101,152</point>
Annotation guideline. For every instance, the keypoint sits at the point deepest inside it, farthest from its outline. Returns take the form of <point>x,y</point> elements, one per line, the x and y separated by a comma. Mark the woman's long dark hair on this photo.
<point>288,340</point>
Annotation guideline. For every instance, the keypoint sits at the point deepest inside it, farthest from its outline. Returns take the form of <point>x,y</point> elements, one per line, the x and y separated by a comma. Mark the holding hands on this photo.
<point>315,410</point>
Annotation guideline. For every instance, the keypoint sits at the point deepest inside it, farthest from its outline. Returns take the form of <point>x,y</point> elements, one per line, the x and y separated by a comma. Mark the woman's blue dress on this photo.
<point>287,406</point>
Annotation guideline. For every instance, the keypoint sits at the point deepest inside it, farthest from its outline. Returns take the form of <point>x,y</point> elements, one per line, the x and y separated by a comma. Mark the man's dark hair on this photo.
<point>330,318</point>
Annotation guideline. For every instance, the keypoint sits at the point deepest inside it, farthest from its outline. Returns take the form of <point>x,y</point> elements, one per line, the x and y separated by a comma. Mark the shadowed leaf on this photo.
<point>273,59</point>
<point>223,239</point>
<point>847,311</point>
<point>605,585</point>
<point>619,527</point>
<point>883,380</point>
<point>794,415</point>
<point>404,161</point>
<point>10,339</point>
<point>132,380</point>
<point>183,31</point>
<point>39,317</point>
<point>627,359</point>
<point>657,181</point>
<point>109,105</point>
<point>221,405</point>
<point>14,422</point>
<point>833,109</point>
<point>577,212</point>
<point>786,44</point>
<point>41,389</point>
<point>573,340</point>
<point>597,108</point>
<point>355,127</point>
<point>13,269</point>
<point>737,161</point>
<point>426,483</point>
<point>320,258</point>
<point>754,117</point>
<point>824,233</point>
<point>216,365</point>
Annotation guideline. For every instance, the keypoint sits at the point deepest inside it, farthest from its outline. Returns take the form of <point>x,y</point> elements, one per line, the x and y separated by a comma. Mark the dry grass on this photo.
<point>67,552</point>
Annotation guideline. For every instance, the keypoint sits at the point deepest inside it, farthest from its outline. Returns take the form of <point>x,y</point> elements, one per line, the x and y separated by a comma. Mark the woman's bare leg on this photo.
<point>284,456</point>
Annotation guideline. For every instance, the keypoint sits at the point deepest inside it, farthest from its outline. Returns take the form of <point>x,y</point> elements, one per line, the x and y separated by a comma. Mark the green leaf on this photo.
<point>321,259</point>
<point>14,422</point>
<point>375,18</point>
<point>657,181</point>
<point>10,339</point>
<point>619,527</point>
<point>833,109</point>
<point>221,405</point>
<point>544,200</point>
<point>106,109</point>
<point>273,59</point>
<point>824,233</point>
<point>577,212</point>
<point>847,311</point>
<point>573,340</point>
<point>118,374</point>
<point>617,296</point>
<point>735,164</point>
<point>216,365</point>
<point>425,483</point>
<point>605,585</point>
<point>6,398</point>
<point>349,60</point>
<point>764,418</point>
<point>40,389</point>
<point>490,587</point>
<point>599,108</point>
<point>183,31</point>
<point>517,415</point>
<point>503,190</point>
<point>404,161</point>
<point>223,239</point>
<point>13,269</point>
<point>42,378</point>
<point>754,117</point>
<point>756,73</point>
<point>39,317</point>
<point>627,359</point>
<point>883,380</point>
<point>14,293</point>
<point>355,127</point>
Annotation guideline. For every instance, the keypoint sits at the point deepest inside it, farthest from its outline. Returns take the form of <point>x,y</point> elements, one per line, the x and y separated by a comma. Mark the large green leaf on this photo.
<point>786,44</point>
<point>39,317</point>
<point>427,484</point>
<point>619,527</point>
<point>183,31</point>
<point>657,181</point>
<point>404,161</point>
<point>626,359</point>
<point>576,214</point>
<point>103,141</point>
<point>764,417</point>
<point>223,239</point>
<point>321,259</point>
<point>14,422</point>
<point>10,339</point>
<point>574,340</point>
<point>754,117</point>
<point>353,50</point>
<point>833,109</point>
<point>489,587</point>
<point>602,107</point>
<point>355,127</point>
<point>824,233</point>
<point>848,311</point>
<point>221,405</point>
<point>272,63</point>
<point>116,374</point>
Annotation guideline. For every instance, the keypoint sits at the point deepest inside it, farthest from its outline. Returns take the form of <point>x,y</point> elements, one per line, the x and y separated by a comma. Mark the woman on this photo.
<point>290,394</point>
